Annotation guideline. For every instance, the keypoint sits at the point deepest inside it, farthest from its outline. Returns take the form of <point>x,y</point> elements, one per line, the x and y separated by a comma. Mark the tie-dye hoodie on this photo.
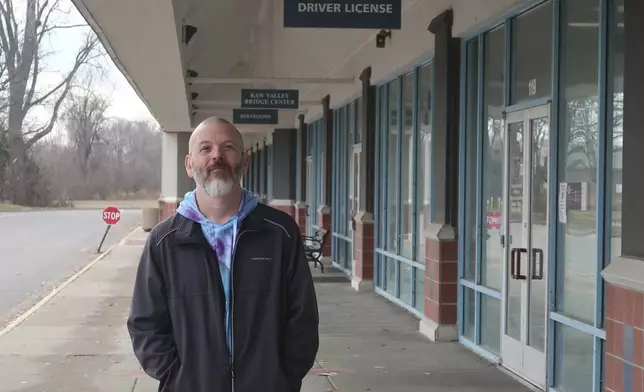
<point>221,238</point>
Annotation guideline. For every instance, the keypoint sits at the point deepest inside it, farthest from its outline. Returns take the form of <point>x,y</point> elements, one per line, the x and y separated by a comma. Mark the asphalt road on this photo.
<point>41,249</point>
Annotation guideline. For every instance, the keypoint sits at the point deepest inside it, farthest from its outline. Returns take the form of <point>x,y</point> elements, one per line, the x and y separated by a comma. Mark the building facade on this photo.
<point>476,173</point>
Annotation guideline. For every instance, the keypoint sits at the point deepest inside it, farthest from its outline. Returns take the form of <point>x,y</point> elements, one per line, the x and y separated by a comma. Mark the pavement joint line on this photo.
<point>60,287</point>
<point>328,378</point>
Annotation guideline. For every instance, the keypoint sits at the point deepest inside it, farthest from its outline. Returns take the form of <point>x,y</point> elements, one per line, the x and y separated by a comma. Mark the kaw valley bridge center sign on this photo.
<point>261,106</point>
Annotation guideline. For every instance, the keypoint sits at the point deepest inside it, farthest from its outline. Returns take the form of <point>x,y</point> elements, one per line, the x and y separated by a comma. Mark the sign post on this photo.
<point>111,216</point>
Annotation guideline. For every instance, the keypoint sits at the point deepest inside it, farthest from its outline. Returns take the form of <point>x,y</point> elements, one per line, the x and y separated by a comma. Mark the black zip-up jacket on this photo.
<point>176,320</point>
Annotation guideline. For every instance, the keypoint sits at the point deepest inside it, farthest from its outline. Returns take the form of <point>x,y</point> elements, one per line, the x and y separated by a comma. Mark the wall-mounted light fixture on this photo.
<point>188,32</point>
<point>381,38</point>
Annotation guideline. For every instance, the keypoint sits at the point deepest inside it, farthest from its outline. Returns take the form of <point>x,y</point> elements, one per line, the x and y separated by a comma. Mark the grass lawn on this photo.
<point>7,207</point>
<point>87,205</point>
<point>120,204</point>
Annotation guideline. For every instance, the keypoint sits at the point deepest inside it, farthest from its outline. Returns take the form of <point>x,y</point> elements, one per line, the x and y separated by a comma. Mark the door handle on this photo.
<point>515,263</point>
<point>537,275</point>
<point>306,210</point>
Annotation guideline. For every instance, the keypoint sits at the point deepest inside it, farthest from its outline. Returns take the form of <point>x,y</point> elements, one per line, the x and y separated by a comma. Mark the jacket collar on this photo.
<point>189,231</point>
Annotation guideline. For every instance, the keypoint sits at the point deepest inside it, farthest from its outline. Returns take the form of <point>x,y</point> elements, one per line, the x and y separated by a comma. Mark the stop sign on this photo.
<point>111,215</point>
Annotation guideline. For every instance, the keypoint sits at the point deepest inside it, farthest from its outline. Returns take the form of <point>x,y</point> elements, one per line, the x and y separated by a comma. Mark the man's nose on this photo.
<point>217,153</point>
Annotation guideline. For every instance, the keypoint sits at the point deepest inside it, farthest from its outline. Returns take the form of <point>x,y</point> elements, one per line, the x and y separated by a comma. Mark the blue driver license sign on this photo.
<point>347,14</point>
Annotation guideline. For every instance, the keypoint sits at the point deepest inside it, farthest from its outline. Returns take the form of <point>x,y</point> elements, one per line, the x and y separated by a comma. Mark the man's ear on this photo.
<point>245,160</point>
<point>188,164</point>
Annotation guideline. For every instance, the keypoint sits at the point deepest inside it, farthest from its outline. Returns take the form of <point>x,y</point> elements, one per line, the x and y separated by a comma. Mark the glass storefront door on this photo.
<point>525,242</point>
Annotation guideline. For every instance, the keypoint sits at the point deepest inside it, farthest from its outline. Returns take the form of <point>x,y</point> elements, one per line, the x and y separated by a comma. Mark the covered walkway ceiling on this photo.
<point>241,44</point>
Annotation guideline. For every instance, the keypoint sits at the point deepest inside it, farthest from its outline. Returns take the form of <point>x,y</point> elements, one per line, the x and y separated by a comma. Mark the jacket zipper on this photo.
<point>232,309</point>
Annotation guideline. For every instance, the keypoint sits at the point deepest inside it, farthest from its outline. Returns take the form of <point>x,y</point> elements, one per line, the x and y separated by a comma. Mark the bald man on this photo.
<point>223,298</point>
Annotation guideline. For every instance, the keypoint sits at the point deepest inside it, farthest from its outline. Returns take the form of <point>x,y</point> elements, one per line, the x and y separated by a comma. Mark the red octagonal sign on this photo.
<point>111,215</point>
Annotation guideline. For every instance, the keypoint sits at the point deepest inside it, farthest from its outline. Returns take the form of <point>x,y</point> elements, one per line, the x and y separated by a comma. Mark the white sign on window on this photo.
<point>532,87</point>
<point>563,195</point>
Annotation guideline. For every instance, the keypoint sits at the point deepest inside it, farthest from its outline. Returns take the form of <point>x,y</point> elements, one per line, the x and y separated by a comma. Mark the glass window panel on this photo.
<point>532,54</point>
<point>420,290</point>
<point>392,167</point>
<point>616,118</point>
<point>405,283</point>
<point>574,360</point>
<point>358,121</point>
<point>382,162</point>
<point>470,157</point>
<point>423,143</point>
<point>577,258</point>
<point>493,144</point>
<point>351,121</point>
<point>406,172</point>
<point>468,313</point>
<point>390,276</point>
<point>491,323</point>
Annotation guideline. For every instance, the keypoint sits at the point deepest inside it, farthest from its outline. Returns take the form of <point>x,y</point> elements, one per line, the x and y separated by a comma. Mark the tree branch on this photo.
<point>82,57</point>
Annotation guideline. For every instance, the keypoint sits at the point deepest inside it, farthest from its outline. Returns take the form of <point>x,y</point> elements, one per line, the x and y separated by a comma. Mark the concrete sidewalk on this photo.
<point>77,341</point>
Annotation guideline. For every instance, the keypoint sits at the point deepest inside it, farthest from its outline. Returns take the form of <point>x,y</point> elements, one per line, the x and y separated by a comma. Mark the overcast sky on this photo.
<point>62,48</point>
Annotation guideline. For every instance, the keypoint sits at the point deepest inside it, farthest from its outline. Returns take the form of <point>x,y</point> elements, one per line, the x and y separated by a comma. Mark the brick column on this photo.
<point>363,249</point>
<point>363,263</point>
<point>624,276</point>
<point>324,220</point>
<point>439,323</point>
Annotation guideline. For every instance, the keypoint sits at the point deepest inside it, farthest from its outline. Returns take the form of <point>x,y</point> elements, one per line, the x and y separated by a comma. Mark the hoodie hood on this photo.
<point>220,236</point>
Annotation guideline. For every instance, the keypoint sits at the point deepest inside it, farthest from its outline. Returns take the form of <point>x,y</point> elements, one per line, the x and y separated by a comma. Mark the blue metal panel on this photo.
<point>481,289</point>
<point>603,209</point>
<point>385,173</point>
<point>479,350</point>
<point>553,193</point>
<point>414,175</point>
<point>399,203</point>
<point>508,66</point>
<point>528,104</point>
<point>480,202</point>
<point>462,162</point>
<point>604,202</point>
<point>578,325</point>
<point>479,158</point>
<point>398,302</point>
<point>415,201</point>
<point>400,259</point>
<point>342,237</point>
<point>376,185</point>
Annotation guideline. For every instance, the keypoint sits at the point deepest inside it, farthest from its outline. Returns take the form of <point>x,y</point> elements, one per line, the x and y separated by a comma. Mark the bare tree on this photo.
<point>84,120</point>
<point>22,51</point>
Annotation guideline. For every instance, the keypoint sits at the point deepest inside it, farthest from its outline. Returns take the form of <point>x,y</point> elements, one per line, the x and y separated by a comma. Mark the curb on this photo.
<point>60,287</point>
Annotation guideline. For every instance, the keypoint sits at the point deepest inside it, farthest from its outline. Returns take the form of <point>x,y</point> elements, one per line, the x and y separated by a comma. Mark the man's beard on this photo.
<point>218,184</point>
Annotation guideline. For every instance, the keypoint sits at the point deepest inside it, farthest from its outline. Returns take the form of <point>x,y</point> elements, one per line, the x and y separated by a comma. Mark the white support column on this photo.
<point>169,167</point>
<point>174,180</point>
